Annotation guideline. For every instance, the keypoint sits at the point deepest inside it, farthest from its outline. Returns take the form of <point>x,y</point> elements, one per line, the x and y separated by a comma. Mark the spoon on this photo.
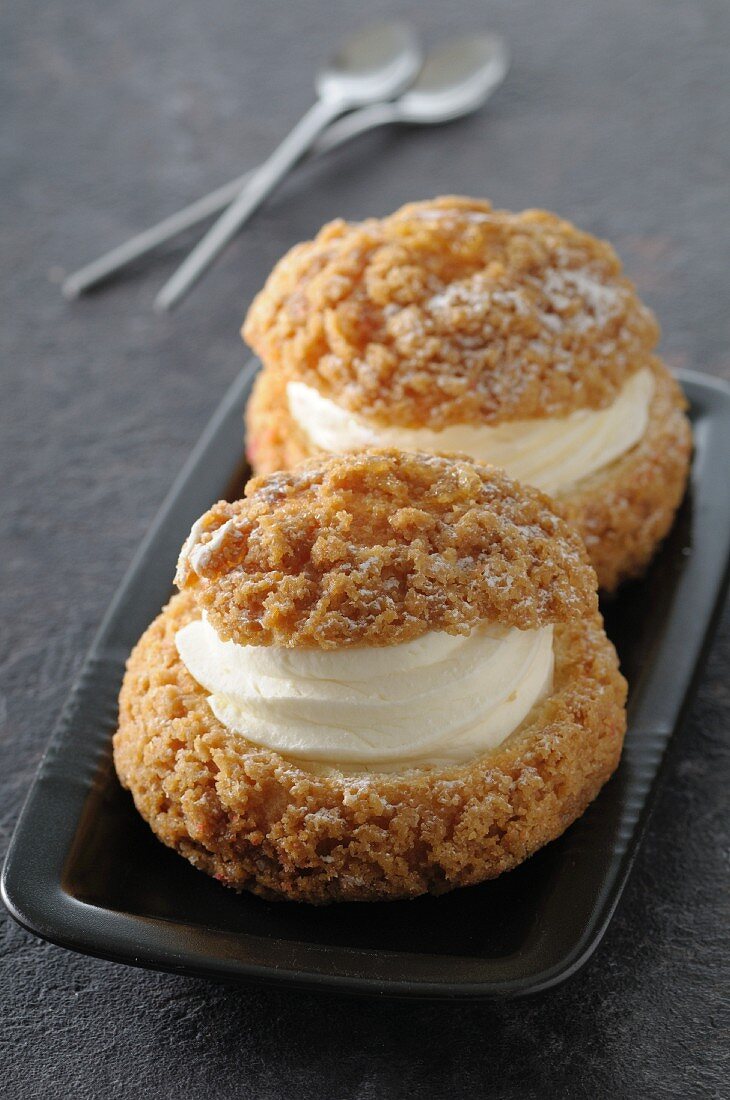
<point>456,79</point>
<point>369,67</point>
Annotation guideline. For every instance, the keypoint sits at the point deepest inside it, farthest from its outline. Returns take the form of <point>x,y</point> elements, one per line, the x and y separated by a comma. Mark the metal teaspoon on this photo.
<point>456,79</point>
<point>369,67</point>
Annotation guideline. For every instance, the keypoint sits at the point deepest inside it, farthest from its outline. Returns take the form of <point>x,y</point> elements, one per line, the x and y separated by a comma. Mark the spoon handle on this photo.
<point>357,122</point>
<point>93,273</point>
<point>344,129</point>
<point>262,183</point>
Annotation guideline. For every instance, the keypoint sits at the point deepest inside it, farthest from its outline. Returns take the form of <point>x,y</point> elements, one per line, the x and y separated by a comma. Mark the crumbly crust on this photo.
<point>449,311</point>
<point>623,511</point>
<point>379,547</point>
<point>256,821</point>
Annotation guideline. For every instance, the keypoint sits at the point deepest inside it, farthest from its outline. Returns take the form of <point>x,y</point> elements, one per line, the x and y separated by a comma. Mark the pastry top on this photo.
<point>378,548</point>
<point>449,312</point>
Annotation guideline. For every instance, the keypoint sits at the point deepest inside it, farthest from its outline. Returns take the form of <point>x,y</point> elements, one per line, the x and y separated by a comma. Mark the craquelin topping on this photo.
<point>379,547</point>
<point>450,312</point>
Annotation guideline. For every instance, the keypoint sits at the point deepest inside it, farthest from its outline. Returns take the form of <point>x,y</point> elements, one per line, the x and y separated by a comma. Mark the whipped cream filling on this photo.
<point>438,699</point>
<point>552,453</point>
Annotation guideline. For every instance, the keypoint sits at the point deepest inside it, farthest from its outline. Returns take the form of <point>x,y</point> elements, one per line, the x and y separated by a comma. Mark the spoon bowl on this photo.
<point>455,80</point>
<point>371,65</point>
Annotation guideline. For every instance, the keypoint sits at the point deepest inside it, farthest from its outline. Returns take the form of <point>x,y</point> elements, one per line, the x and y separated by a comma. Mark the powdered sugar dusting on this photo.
<point>475,295</point>
<point>561,298</point>
<point>598,302</point>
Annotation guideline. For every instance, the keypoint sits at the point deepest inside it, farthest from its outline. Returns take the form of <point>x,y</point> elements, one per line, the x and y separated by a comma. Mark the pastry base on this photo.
<point>258,822</point>
<point>624,511</point>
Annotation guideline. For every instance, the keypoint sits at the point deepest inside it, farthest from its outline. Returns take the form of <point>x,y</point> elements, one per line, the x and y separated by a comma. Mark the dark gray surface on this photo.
<point>616,115</point>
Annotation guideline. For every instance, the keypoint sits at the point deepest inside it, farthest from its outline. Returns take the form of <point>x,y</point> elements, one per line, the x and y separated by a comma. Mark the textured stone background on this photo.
<point>616,115</point>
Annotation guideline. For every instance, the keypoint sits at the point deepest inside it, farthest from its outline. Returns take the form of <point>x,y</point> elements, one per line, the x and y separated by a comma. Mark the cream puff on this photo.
<point>513,338</point>
<point>385,674</point>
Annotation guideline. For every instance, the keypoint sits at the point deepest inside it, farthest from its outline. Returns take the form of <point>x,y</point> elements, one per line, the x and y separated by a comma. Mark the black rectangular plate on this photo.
<point>84,871</point>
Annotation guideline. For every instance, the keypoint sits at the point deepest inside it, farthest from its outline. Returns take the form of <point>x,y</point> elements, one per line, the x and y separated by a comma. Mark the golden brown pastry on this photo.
<point>385,674</point>
<point>514,338</point>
